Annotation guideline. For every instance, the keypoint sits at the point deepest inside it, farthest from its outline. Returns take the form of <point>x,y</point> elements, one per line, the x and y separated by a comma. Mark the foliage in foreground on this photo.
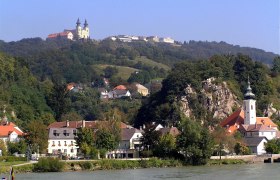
<point>48,165</point>
<point>108,164</point>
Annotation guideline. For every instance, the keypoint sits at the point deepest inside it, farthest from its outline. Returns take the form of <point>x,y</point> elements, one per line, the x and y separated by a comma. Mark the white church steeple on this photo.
<point>249,106</point>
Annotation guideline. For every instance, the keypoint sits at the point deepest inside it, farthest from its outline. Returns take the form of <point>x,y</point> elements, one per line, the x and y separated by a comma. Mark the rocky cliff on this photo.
<point>217,99</point>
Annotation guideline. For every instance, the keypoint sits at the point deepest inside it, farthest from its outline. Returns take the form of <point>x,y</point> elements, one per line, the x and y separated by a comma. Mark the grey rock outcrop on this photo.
<point>219,100</point>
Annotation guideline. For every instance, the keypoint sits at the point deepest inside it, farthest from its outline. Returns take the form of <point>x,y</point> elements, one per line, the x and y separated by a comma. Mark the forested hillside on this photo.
<point>165,106</point>
<point>35,72</point>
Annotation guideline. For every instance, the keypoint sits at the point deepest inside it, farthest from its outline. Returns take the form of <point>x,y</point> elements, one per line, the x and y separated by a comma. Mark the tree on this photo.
<point>105,140</point>
<point>58,100</point>
<point>37,136</point>
<point>223,141</point>
<point>194,142</point>
<point>71,116</point>
<point>276,65</point>
<point>85,136</point>
<point>166,145</point>
<point>3,149</point>
<point>273,146</point>
<point>108,135</point>
<point>241,149</point>
<point>150,138</point>
<point>17,147</point>
<point>110,71</point>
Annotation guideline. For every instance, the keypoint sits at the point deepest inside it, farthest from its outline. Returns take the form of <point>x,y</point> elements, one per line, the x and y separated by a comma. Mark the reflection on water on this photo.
<point>224,172</point>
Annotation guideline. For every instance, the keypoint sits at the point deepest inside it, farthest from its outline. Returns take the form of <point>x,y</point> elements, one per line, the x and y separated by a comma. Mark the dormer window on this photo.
<point>55,133</point>
<point>65,133</point>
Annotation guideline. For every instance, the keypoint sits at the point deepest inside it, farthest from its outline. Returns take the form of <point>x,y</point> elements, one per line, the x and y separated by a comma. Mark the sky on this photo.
<point>248,23</point>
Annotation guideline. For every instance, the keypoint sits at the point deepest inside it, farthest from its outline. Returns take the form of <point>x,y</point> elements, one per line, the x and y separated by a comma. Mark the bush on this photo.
<point>48,165</point>
<point>102,153</point>
<point>86,165</point>
<point>12,158</point>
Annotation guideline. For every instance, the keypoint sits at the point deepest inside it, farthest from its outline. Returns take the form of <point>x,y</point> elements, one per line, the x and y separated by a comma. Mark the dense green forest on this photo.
<point>34,74</point>
<point>163,107</point>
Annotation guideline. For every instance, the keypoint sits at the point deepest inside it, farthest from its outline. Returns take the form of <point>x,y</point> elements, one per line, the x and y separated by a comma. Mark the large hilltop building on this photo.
<point>74,34</point>
<point>256,130</point>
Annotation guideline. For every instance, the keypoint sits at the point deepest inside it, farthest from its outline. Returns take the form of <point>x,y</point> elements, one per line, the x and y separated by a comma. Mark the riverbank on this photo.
<point>117,164</point>
<point>104,164</point>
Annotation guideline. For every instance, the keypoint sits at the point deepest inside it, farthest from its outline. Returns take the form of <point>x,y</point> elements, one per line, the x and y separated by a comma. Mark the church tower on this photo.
<point>86,30</point>
<point>249,106</point>
<point>78,29</point>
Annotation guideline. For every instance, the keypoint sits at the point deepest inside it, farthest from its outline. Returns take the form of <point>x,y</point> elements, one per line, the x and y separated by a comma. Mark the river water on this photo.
<point>224,172</point>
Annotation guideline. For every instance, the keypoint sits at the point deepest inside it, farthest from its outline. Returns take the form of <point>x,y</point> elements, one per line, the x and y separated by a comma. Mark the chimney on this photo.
<point>83,123</point>
<point>67,123</point>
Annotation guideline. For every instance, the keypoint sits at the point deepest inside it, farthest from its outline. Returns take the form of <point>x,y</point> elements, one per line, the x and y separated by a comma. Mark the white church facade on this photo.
<point>79,33</point>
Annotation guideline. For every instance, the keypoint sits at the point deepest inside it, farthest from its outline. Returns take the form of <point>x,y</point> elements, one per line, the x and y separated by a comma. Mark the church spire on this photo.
<point>249,94</point>
<point>85,24</point>
<point>78,22</point>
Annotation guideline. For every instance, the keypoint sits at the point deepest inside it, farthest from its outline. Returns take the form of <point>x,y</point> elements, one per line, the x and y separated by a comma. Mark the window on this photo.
<point>53,143</point>
<point>65,143</point>
<point>72,143</point>
<point>59,143</point>
<point>72,150</point>
<point>65,133</point>
<point>65,150</point>
<point>251,107</point>
<point>75,132</point>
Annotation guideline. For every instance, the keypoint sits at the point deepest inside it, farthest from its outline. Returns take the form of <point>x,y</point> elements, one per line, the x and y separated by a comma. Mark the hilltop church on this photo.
<point>256,130</point>
<point>80,33</point>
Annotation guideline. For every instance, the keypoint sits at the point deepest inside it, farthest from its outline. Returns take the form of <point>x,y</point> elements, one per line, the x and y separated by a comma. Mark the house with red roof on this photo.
<point>9,131</point>
<point>256,130</point>
<point>119,91</point>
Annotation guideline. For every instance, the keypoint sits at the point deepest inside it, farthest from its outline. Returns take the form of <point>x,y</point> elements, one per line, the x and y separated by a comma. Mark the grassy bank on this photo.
<point>226,161</point>
<point>108,164</point>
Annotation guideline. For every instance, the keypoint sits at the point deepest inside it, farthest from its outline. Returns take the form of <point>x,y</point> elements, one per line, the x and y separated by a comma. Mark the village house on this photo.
<point>142,89</point>
<point>130,144</point>
<point>119,91</point>
<point>256,130</point>
<point>61,139</point>
<point>9,131</point>
<point>169,130</point>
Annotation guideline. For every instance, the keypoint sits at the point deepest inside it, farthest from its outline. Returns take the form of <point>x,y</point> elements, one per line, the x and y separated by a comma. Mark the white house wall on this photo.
<point>53,146</point>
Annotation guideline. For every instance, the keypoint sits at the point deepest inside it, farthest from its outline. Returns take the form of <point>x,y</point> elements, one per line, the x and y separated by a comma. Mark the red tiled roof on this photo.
<point>233,122</point>
<point>236,118</point>
<point>266,121</point>
<point>256,127</point>
<point>55,35</point>
<point>120,87</point>
<point>6,130</point>
<point>173,131</point>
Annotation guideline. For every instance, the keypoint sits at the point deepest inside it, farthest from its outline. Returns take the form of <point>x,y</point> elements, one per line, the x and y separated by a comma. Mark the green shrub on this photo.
<point>102,153</point>
<point>48,165</point>
<point>86,165</point>
<point>12,158</point>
